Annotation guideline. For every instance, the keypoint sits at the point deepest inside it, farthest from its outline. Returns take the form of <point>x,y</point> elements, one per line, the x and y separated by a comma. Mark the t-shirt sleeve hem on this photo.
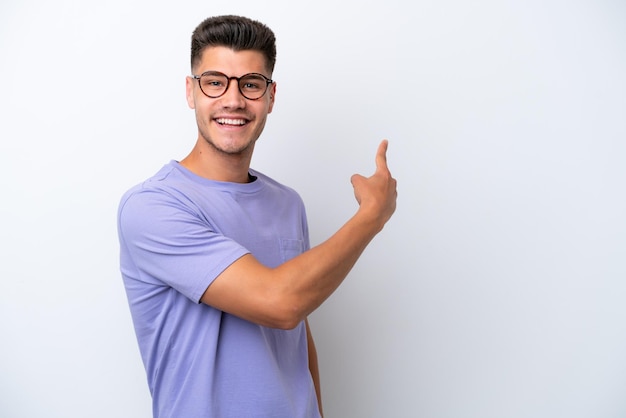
<point>213,273</point>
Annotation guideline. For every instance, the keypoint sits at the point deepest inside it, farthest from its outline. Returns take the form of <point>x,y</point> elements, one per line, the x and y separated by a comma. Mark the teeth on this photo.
<point>224,121</point>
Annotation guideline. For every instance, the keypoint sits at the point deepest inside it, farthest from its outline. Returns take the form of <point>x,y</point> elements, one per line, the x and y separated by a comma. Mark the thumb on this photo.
<point>356,180</point>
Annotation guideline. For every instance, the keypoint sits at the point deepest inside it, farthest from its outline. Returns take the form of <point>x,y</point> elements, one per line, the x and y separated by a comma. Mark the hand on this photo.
<point>377,194</point>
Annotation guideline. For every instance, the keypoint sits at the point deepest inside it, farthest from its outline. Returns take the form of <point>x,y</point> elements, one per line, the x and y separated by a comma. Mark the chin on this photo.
<point>231,147</point>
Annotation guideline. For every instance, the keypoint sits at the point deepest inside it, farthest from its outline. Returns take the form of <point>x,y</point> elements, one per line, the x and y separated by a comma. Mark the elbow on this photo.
<point>285,315</point>
<point>287,320</point>
<point>281,306</point>
<point>286,325</point>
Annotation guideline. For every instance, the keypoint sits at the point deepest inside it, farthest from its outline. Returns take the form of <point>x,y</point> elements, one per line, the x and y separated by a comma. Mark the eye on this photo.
<point>253,83</point>
<point>212,82</point>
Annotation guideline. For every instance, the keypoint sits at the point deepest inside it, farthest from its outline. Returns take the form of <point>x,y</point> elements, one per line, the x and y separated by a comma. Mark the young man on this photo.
<point>215,256</point>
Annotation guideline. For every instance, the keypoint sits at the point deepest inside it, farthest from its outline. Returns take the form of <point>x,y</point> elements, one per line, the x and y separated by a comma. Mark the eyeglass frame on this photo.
<point>268,81</point>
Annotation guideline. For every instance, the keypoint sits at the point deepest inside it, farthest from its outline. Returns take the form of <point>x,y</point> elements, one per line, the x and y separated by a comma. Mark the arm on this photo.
<point>313,367</point>
<point>282,297</point>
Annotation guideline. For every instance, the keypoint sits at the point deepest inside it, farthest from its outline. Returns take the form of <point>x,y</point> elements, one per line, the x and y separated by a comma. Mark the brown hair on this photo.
<point>235,32</point>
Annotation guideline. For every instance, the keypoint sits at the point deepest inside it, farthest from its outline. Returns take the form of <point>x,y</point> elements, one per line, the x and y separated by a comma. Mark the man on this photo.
<point>215,256</point>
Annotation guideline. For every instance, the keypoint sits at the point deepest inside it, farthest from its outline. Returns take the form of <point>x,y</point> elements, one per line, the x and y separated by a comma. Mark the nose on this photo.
<point>232,97</point>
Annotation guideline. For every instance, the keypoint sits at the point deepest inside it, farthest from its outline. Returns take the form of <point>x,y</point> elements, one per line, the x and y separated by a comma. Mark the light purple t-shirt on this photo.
<point>178,232</point>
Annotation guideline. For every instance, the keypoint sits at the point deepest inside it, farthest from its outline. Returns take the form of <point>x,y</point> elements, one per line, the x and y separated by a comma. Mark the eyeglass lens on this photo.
<point>251,86</point>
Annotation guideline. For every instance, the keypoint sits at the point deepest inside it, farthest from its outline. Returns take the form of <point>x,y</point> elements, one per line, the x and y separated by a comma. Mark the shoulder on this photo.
<point>172,184</point>
<point>163,194</point>
<point>156,183</point>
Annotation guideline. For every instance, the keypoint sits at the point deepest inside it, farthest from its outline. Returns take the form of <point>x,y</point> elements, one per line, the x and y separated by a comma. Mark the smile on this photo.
<point>235,122</point>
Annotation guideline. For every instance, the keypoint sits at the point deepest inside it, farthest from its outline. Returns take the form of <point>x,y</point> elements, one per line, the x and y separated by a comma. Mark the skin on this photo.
<point>284,296</point>
<point>223,151</point>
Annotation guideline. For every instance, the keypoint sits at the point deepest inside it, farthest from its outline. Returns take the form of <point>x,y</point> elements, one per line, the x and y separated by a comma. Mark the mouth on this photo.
<point>231,121</point>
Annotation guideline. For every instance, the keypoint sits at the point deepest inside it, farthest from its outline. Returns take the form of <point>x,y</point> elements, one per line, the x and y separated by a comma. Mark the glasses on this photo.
<point>251,86</point>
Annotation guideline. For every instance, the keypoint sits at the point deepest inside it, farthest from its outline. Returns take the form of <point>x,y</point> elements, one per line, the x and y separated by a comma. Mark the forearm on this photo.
<point>306,281</point>
<point>284,296</point>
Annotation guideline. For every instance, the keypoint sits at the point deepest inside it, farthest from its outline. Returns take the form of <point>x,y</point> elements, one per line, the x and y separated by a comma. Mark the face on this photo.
<point>231,123</point>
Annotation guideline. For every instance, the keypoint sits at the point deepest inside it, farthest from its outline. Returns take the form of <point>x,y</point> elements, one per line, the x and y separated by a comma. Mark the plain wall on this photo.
<point>497,290</point>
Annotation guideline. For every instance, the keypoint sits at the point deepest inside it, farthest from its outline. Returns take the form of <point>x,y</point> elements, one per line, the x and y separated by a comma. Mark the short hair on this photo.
<point>237,33</point>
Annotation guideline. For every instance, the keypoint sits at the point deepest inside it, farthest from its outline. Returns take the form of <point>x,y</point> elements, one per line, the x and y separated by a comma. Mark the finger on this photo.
<point>356,179</point>
<point>381,156</point>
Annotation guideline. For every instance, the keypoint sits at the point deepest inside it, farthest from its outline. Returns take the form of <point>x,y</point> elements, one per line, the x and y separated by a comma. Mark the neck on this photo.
<point>216,165</point>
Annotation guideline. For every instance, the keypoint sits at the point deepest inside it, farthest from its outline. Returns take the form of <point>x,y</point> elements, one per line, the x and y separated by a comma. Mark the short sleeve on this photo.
<point>164,242</point>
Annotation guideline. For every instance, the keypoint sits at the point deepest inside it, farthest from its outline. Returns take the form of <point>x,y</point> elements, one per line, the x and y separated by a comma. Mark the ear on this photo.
<point>272,93</point>
<point>189,89</point>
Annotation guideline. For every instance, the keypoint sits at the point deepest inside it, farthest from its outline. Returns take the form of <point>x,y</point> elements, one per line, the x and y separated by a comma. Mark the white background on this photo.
<point>497,290</point>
